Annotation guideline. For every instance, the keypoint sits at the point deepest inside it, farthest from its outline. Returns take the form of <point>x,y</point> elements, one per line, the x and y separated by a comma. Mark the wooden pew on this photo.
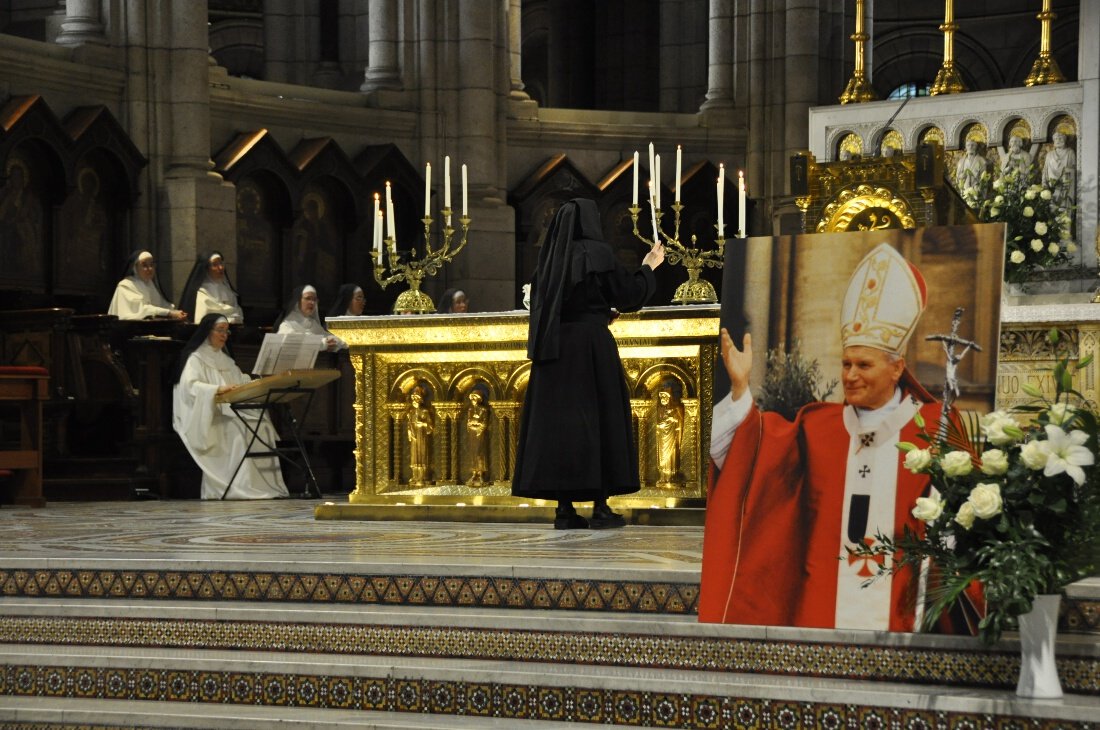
<point>24,389</point>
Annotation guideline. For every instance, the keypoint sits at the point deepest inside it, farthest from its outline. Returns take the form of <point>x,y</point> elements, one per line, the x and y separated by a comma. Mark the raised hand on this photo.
<point>738,362</point>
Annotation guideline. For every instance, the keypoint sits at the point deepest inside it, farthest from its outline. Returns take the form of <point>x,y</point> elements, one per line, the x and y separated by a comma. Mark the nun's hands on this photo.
<point>655,257</point>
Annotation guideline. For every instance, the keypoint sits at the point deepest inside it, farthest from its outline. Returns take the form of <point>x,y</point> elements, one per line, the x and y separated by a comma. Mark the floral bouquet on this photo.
<point>1037,223</point>
<point>1016,508</point>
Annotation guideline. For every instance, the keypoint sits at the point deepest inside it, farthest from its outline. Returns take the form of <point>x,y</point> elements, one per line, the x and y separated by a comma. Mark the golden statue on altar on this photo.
<point>419,427</point>
<point>668,424</point>
<point>477,438</point>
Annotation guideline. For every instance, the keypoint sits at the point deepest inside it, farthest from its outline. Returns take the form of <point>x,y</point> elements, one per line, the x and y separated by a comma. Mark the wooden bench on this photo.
<point>23,389</point>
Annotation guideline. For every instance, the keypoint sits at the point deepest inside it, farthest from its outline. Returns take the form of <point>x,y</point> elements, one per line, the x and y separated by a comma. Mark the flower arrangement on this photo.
<point>1016,508</point>
<point>1038,225</point>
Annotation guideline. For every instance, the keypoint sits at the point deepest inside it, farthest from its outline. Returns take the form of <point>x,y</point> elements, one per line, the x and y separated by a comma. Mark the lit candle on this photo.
<point>463,189</point>
<point>721,222</point>
<point>721,199</point>
<point>657,180</point>
<point>634,200</point>
<point>390,232</point>
<point>653,213</point>
<point>377,232</point>
<point>678,173</point>
<point>427,189</point>
<point>447,182</point>
<point>741,201</point>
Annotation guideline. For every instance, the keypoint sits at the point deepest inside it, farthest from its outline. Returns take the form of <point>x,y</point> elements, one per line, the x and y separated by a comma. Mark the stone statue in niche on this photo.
<point>1060,166</point>
<point>1017,159</point>
<point>970,168</point>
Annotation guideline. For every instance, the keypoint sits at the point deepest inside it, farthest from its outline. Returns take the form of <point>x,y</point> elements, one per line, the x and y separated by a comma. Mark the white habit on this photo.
<point>136,298</point>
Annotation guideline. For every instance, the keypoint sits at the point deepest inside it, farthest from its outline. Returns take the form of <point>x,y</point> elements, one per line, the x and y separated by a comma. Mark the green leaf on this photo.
<point>918,419</point>
<point>1084,363</point>
<point>1031,390</point>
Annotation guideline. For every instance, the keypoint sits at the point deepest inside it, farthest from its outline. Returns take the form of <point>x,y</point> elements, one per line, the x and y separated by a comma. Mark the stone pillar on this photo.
<point>277,49</point>
<point>83,24</point>
<point>670,63</point>
<point>720,57</point>
<point>1088,144</point>
<point>515,48</point>
<point>383,71</point>
<point>800,61</point>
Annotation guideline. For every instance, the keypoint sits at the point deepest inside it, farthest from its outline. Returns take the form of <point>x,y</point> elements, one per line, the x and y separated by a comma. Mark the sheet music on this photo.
<point>280,353</point>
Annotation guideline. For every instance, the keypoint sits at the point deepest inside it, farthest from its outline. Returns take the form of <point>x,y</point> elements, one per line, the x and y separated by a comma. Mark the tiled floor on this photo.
<point>271,535</point>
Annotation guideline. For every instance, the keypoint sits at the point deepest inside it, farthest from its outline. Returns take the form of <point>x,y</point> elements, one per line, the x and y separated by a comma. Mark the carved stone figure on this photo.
<point>477,439</point>
<point>1060,166</point>
<point>1017,158</point>
<point>668,418</point>
<point>419,426</point>
<point>970,168</point>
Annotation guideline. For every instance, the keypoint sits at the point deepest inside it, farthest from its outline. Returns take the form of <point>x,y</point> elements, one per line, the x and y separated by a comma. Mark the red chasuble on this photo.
<point>774,521</point>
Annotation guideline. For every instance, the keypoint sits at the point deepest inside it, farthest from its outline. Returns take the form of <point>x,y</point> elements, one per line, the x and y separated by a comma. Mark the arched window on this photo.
<point>910,89</point>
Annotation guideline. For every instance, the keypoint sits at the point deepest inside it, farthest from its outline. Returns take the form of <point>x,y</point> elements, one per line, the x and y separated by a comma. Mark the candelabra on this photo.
<point>694,290</point>
<point>414,301</point>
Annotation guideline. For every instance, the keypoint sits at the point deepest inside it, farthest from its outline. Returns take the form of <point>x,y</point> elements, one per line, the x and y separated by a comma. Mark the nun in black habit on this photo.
<point>576,442</point>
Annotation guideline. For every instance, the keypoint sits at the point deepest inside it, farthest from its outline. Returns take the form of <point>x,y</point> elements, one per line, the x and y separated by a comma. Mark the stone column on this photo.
<point>83,24</point>
<point>515,48</point>
<point>1088,145</point>
<point>277,49</point>
<point>800,62</point>
<point>720,57</point>
<point>669,67</point>
<point>383,71</point>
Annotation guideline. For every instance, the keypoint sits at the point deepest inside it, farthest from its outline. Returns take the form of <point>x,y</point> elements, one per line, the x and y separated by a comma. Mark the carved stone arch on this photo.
<point>95,131</point>
<point>844,139</point>
<point>26,119</point>
<point>1048,123</point>
<point>865,207</point>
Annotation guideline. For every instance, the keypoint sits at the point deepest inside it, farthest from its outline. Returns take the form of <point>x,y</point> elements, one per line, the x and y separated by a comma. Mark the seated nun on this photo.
<point>453,301</point>
<point>209,291</point>
<point>214,435</point>
<point>300,317</point>
<point>350,301</point>
<point>138,295</point>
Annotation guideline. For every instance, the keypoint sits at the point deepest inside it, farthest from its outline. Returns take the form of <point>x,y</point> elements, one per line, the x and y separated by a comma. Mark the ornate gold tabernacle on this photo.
<point>424,438</point>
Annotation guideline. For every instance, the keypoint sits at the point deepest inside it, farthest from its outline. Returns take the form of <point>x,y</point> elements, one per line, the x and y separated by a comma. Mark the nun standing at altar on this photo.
<point>576,442</point>
<point>138,295</point>
<point>214,435</point>
<point>209,291</point>
<point>300,317</point>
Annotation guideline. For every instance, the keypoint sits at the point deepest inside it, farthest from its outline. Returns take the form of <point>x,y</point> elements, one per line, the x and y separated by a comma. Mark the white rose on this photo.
<point>1037,245</point>
<point>1045,195</point>
<point>986,500</point>
<point>918,460</point>
<point>994,212</point>
<point>1040,228</point>
<point>998,184</point>
<point>956,464</point>
<point>999,200</point>
<point>1034,455</point>
<point>1071,247</point>
<point>1028,211</point>
<point>965,517</point>
<point>1000,429</point>
<point>1029,195</point>
<point>1017,257</point>
<point>994,462</point>
<point>928,508</point>
<point>1053,249</point>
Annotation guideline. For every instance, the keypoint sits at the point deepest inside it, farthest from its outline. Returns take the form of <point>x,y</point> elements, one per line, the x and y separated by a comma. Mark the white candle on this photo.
<point>657,180</point>
<point>447,182</point>
<point>678,173</point>
<point>721,184</point>
<point>650,160</point>
<point>427,189</point>
<point>390,232</point>
<point>634,200</point>
<point>463,189</point>
<point>721,222</point>
<point>653,214</point>
<point>741,202</point>
<point>377,231</point>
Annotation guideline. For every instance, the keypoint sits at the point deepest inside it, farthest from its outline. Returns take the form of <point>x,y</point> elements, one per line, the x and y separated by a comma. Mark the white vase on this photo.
<point>1038,630</point>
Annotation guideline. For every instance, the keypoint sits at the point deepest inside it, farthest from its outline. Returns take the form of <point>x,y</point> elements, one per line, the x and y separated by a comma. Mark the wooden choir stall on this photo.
<point>438,400</point>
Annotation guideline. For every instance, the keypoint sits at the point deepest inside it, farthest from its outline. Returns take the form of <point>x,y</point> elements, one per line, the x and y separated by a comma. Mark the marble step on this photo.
<point>147,677</point>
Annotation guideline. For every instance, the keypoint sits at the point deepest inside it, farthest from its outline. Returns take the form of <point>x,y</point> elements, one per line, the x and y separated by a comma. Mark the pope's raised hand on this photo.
<point>738,362</point>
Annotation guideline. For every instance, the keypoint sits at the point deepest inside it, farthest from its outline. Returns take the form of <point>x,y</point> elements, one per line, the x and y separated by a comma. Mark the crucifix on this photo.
<point>951,380</point>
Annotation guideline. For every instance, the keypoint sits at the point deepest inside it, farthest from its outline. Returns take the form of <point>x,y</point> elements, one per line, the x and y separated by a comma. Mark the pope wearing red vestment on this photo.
<point>786,498</point>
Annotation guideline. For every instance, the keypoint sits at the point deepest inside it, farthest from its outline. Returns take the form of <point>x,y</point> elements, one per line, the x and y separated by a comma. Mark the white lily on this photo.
<point>1067,453</point>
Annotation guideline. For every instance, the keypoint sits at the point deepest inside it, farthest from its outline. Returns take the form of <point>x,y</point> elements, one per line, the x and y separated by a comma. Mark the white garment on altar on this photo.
<point>215,436</point>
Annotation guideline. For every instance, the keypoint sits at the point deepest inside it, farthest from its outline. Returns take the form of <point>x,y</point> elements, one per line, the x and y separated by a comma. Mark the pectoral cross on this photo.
<point>951,380</point>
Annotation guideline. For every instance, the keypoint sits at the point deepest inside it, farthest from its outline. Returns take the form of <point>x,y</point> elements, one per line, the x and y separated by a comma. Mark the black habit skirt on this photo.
<point>576,438</point>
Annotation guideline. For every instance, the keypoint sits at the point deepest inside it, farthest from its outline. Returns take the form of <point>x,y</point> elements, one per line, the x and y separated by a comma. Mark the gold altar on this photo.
<point>438,400</point>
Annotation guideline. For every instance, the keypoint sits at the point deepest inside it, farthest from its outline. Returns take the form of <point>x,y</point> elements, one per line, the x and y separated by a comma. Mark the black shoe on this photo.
<point>566,518</point>
<point>604,519</point>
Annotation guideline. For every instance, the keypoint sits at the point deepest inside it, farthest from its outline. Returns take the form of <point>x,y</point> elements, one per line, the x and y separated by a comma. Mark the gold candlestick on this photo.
<point>948,80</point>
<point>694,290</point>
<point>413,270</point>
<point>1045,69</point>
<point>859,88</point>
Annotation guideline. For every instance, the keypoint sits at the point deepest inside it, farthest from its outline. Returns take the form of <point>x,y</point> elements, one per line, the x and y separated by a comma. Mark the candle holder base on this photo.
<point>695,290</point>
<point>413,301</point>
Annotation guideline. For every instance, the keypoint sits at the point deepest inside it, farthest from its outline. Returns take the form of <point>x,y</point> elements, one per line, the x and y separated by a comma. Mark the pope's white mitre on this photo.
<point>885,299</point>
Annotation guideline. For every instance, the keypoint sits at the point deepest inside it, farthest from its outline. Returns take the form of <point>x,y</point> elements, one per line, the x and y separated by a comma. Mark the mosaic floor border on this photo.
<point>408,590</point>
<point>995,669</point>
<point>490,699</point>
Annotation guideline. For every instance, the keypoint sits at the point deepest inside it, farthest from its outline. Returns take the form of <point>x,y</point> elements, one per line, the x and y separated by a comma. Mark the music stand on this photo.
<point>270,392</point>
